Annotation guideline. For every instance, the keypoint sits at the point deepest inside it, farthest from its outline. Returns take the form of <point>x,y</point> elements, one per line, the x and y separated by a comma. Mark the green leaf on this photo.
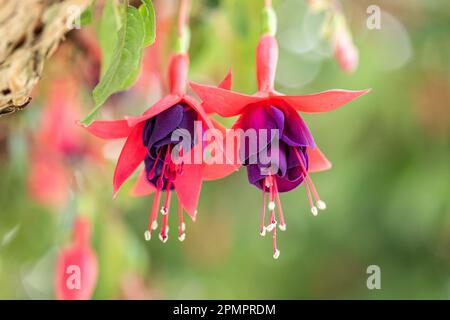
<point>87,16</point>
<point>125,61</point>
<point>107,33</point>
<point>148,13</point>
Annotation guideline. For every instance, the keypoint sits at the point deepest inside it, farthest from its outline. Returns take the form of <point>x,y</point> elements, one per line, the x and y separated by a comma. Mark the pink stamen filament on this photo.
<point>271,200</point>
<point>165,213</point>
<point>272,217</point>
<point>308,192</point>
<point>262,228</point>
<point>181,226</point>
<point>155,208</point>
<point>308,178</point>
<point>151,174</point>
<point>280,209</point>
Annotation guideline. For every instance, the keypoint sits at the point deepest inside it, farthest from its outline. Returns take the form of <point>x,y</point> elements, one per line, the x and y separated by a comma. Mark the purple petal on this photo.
<point>296,132</point>
<point>165,123</point>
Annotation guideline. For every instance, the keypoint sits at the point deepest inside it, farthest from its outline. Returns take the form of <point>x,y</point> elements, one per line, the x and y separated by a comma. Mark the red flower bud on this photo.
<point>76,267</point>
<point>345,52</point>
<point>266,62</point>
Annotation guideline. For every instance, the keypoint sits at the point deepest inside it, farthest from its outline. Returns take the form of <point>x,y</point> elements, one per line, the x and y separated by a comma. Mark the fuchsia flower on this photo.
<point>149,141</point>
<point>76,267</point>
<point>57,144</point>
<point>268,109</point>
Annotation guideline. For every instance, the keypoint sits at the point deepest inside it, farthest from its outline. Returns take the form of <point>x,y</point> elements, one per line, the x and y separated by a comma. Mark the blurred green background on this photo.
<point>388,193</point>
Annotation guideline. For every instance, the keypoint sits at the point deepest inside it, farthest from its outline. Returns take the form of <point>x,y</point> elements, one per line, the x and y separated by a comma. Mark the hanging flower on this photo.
<point>345,51</point>
<point>76,267</point>
<point>298,154</point>
<point>149,140</point>
<point>57,145</point>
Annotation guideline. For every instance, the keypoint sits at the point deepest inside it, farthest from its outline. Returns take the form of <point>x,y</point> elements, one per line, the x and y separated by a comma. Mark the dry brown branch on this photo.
<point>30,31</point>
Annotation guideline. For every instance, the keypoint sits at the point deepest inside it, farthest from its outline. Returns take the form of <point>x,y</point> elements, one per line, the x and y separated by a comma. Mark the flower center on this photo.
<point>161,170</point>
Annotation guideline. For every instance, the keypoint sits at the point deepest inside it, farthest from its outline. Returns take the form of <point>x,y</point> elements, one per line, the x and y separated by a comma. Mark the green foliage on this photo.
<point>148,13</point>
<point>87,15</point>
<point>107,33</point>
<point>137,31</point>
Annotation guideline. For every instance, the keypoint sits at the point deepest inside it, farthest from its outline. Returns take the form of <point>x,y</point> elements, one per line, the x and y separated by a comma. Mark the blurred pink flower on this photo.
<point>345,51</point>
<point>76,267</point>
<point>57,144</point>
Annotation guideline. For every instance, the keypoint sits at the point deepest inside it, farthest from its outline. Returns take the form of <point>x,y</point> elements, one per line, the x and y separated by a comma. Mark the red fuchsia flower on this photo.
<point>149,140</point>
<point>76,266</point>
<point>57,144</point>
<point>268,109</point>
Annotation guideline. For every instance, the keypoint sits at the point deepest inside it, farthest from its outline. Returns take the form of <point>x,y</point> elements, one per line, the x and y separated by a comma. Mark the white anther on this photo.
<point>276,254</point>
<point>271,205</point>
<point>314,211</point>
<point>182,237</point>
<point>282,227</point>
<point>263,232</point>
<point>147,235</point>
<point>182,228</point>
<point>163,239</point>
<point>154,225</point>
<point>321,205</point>
<point>164,211</point>
<point>195,215</point>
<point>271,226</point>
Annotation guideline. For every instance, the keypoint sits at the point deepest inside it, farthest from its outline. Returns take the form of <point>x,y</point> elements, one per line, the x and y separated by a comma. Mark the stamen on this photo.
<point>151,174</point>
<point>262,228</point>
<point>181,225</point>
<point>321,205</point>
<point>273,222</point>
<point>282,224</point>
<point>148,235</point>
<point>311,204</point>
<point>152,225</point>
<point>163,236</point>
<point>308,178</point>
<point>276,254</point>
<point>166,207</point>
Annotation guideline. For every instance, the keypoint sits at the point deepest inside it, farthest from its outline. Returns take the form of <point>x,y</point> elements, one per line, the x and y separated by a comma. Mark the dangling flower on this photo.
<point>149,140</point>
<point>345,51</point>
<point>76,267</point>
<point>57,144</point>
<point>298,154</point>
